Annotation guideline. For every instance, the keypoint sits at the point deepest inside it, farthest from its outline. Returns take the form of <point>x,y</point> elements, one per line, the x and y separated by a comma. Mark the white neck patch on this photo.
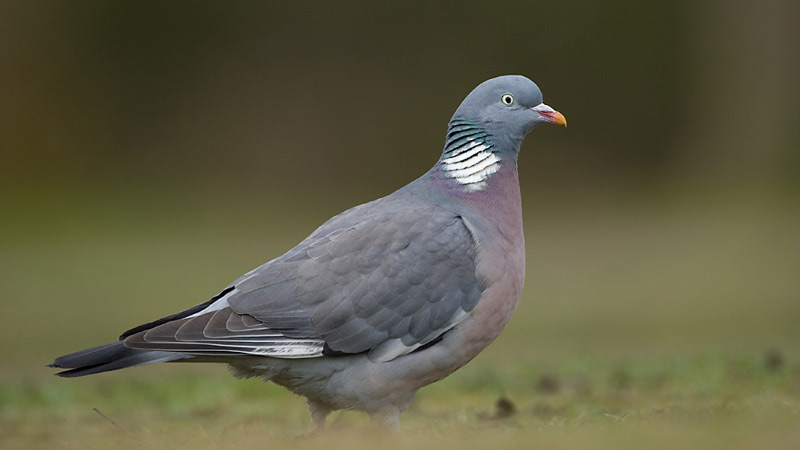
<point>472,164</point>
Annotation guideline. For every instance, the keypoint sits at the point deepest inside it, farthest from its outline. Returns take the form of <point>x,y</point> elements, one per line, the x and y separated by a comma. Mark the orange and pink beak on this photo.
<point>550,115</point>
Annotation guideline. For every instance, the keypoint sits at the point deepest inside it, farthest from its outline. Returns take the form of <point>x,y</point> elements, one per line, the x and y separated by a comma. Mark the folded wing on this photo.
<point>383,279</point>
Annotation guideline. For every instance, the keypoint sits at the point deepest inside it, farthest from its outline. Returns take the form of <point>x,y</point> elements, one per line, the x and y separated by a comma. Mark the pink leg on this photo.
<point>319,413</point>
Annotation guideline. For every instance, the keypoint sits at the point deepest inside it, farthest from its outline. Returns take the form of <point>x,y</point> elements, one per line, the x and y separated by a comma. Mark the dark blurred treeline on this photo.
<point>349,94</point>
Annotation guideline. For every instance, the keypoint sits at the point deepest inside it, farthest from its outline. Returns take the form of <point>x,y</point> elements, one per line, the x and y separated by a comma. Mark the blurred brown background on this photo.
<point>150,152</point>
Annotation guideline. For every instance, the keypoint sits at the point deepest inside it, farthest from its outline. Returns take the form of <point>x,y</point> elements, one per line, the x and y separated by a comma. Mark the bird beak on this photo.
<point>550,115</point>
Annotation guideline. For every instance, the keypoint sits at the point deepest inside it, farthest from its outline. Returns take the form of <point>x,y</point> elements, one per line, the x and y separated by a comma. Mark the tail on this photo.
<point>108,357</point>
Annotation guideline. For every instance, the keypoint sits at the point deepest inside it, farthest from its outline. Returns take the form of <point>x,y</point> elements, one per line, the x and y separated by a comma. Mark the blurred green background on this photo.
<point>151,152</point>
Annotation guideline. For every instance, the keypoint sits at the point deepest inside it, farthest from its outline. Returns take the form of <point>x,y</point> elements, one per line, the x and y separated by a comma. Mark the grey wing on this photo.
<point>222,333</point>
<point>386,283</point>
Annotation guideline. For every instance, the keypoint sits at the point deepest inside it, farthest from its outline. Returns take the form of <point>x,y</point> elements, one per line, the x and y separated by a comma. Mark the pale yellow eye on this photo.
<point>507,99</point>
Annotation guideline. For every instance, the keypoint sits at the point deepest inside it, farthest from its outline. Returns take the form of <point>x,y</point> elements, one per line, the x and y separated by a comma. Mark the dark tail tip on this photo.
<point>108,357</point>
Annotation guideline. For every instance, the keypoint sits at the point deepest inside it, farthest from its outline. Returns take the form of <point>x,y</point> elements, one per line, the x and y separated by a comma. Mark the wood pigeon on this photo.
<point>382,299</point>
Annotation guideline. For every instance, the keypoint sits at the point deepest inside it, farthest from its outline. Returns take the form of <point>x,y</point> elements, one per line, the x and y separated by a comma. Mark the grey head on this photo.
<point>489,126</point>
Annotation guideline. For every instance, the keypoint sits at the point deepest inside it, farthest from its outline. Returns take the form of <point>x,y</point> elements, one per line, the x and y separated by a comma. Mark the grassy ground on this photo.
<point>666,321</point>
<point>713,402</point>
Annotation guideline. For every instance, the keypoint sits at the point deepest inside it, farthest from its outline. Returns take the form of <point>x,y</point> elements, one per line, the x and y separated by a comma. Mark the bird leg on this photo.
<point>319,413</point>
<point>388,417</point>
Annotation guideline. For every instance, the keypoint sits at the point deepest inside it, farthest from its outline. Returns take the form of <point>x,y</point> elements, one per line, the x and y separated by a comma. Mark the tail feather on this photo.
<point>108,357</point>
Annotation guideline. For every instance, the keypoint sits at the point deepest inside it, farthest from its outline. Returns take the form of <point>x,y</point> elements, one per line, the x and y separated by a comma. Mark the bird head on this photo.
<point>507,107</point>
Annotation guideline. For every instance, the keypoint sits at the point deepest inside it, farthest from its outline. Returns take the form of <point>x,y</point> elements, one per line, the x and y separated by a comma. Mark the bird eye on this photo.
<point>507,99</point>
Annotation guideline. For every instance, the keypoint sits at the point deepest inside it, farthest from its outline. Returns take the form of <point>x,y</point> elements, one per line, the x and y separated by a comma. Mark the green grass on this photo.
<point>589,403</point>
<point>665,321</point>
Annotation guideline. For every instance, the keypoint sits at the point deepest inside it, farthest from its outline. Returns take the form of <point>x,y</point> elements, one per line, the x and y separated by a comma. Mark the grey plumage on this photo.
<point>382,299</point>
<point>108,357</point>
